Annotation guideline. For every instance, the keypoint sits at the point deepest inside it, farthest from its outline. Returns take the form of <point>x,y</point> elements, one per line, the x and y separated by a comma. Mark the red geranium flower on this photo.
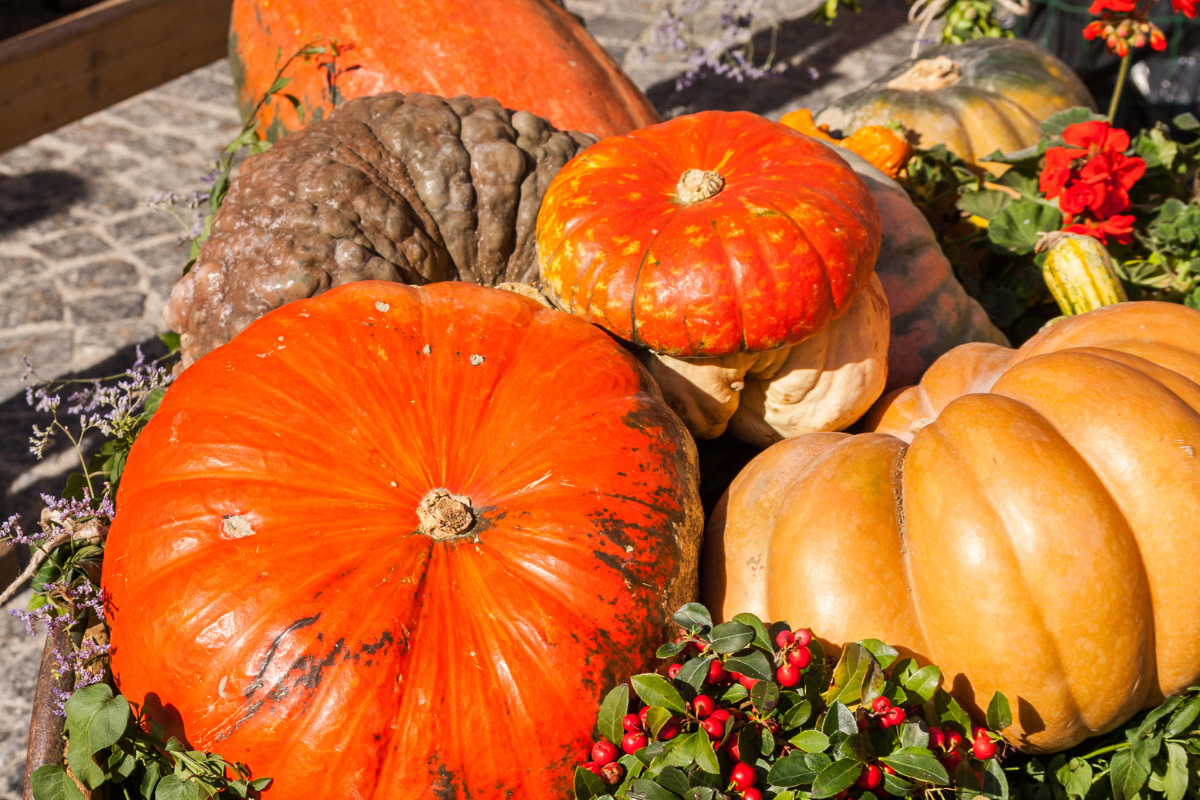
<point>1075,199</point>
<point>1097,136</point>
<point>1119,227</point>
<point>1185,7</point>
<point>1115,6</point>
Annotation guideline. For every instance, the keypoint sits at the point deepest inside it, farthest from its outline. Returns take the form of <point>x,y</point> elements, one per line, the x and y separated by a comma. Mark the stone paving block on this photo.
<point>147,225</point>
<point>105,307</point>
<point>14,269</point>
<point>36,301</point>
<point>108,274</point>
<point>19,660</point>
<point>48,348</point>
<point>72,245</point>
<point>96,342</point>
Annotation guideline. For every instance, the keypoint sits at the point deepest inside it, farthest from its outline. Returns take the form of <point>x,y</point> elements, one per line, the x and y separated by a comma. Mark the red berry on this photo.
<point>787,675</point>
<point>642,715</point>
<point>632,722</point>
<point>862,724</point>
<point>895,715</point>
<point>881,705</point>
<point>604,752</point>
<point>704,705</point>
<point>670,729</point>
<point>950,761</point>
<point>983,748</point>
<point>742,776</point>
<point>732,749</point>
<point>673,670</point>
<point>888,770</point>
<point>721,714</point>
<point>633,742</point>
<point>747,681</point>
<point>593,768</point>
<point>751,794</point>
<point>716,672</point>
<point>979,732</point>
<point>937,739</point>
<point>803,637</point>
<point>715,728</point>
<point>784,638</point>
<point>612,773</point>
<point>800,658</point>
<point>870,778</point>
<point>953,739</point>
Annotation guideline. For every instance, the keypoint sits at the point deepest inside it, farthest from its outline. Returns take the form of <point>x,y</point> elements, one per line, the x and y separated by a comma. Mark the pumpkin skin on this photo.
<point>1024,519</point>
<point>931,313</point>
<point>765,259</point>
<point>527,54</point>
<point>975,98</point>
<point>272,587</point>
<point>411,188</point>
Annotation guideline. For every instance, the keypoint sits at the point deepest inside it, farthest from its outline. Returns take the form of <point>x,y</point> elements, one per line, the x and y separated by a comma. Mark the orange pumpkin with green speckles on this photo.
<point>708,235</point>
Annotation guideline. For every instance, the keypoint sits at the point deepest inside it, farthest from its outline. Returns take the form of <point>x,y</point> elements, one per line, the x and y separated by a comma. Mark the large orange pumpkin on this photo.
<point>396,543</point>
<point>1025,519</point>
<point>531,55</point>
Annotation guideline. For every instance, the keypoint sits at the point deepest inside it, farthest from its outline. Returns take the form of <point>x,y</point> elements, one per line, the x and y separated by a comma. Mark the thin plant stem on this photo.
<point>1116,98</point>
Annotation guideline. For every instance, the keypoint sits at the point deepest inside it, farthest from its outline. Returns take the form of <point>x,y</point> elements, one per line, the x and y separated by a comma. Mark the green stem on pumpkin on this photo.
<point>1116,98</point>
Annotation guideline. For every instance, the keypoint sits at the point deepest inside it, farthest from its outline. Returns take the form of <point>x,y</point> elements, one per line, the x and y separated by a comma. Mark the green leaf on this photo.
<point>754,664</point>
<point>854,746</point>
<point>172,787</point>
<point>1184,717</point>
<point>655,690</point>
<point>1055,124</point>
<point>701,750</point>
<point>1075,776</point>
<point>837,776</point>
<point>917,763</point>
<point>655,718</point>
<point>902,669</point>
<point>884,654</point>
<point>768,742</point>
<point>874,683</point>
<point>673,780</point>
<point>897,786</point>
<point>949,710</point>
<point>669,650</point>
<point>95,721</point>
<point>986,203</point>
<point>587,784</point>
<point>278,85</point>
<point>750,741</point>
<point>924,682</point>
<point>764,697</point>
<point>702,792</point>
<point>729,637</point>
<point>258,784</point>
<point>633,770</point>
<point>692,615</point>
<point>810,741</point>
<point>1176,778</point>
<point>1127,775</point>
<point>848,675</point>
<point>797,715</point>
<point>151,776</point>
<point>995,782</point>
<point>913,733</point>
<point>1155,148</point>
<point>612,713</point>
<point>170,340</point>
<point>798,769</point>
<point>643,789</point>
<point>1019,226</point>
<point>695,671</point>
<point>761,639</point>
<point>999,715</point>
<point>839,718</point>
<point>734,694</point>
<point>51,782</point>
<point>1186,122</point>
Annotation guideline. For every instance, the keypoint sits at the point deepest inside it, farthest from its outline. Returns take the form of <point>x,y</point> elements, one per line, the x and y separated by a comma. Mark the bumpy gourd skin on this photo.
<point>410,188</point>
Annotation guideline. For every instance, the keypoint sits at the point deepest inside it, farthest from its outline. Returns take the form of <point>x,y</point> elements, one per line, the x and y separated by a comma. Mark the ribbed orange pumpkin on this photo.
<point>1038,536</point>
<point>531,55</point>
<point>287,580</point>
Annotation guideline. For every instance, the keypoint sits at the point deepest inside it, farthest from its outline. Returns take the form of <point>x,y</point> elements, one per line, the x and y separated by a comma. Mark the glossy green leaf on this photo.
<point>1019,226</point>
<point>797,715</point>
<point>764,696</point>
<point>1126,775</point>
<point>917,763</point>
<point>848,675</point>
<point>693,615</point>
<point>837,776</point>
<point>673,780</point>
<point>924,682</point>
<point>669,650</point>
<point>643,789</point>
<point>656,717</point>
<point>914,733</point>
<point>695,671</point>
<point>655,690</point>
<point>885,654</point>
<point>51,782</point>
<point>1175,782</point>
<point>798,769</point>
<point>1056,123</point>
<point>761,637</point>
<point>810,741</point>
<point>1184,717</point>
<point>999,715</point>
<point>612,713</point>
<point>587,784</point>
<point>754,664</point>
<point>839,718</point>
<point>729,637</point>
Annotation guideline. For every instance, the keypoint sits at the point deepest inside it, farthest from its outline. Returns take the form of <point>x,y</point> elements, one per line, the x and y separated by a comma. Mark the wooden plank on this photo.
<point>90,60</point>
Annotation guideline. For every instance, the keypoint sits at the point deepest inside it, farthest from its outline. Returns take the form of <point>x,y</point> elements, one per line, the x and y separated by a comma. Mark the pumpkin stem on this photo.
<point>928,74</point>
<point>699,184</point>
<point>444,515</point>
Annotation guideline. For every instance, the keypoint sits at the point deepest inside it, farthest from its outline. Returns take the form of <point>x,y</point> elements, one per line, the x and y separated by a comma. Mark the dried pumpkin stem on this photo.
<point>699,184</point>
<point>444,515</point>
<point>927,75</point>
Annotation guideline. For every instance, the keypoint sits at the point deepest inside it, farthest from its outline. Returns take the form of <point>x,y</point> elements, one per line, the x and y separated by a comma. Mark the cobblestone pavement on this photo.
<point>86,265</point>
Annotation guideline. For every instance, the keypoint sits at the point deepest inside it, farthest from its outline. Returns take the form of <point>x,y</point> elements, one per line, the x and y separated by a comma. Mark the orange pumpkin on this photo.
<point>396,543</point>
<point>531,55</point>
<point>1025,519</point>
<point>881,147</point>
